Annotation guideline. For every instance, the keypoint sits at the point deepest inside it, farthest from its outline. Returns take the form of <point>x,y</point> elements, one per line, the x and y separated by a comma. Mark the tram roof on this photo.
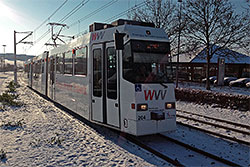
<point>132,32</point>
<point>135,32</point>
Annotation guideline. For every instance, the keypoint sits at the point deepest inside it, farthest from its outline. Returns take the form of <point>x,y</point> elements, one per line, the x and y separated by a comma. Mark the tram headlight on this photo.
<point>142,107</point>
<point>170,105</point>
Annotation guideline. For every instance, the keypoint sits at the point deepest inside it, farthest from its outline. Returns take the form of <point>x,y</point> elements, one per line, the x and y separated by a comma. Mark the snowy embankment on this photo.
<point>215,110</point>
<point>44,135</point>
<point>221,89</point>
<point>220,147</point>
<point>232,151</point>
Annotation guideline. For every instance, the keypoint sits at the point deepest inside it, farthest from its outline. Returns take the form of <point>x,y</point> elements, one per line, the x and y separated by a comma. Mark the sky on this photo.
<point>28,15</point>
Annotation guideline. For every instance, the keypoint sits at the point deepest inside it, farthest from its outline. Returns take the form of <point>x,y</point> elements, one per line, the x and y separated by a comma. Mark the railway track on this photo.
<point>230,130</point>
<point>177,158</point>
<point>183,155</point>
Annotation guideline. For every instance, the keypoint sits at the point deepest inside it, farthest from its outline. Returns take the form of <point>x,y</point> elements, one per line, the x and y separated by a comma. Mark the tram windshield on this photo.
<point>147,62</point>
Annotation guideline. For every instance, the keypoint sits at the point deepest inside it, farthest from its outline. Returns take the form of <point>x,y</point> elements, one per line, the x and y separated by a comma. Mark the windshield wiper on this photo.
<point>165,86</point>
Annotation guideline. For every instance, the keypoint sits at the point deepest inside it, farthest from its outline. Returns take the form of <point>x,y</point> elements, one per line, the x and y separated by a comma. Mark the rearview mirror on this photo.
<point>119,42</point>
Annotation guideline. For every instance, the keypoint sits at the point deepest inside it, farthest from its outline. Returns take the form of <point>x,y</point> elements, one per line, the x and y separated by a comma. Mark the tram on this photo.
<point>118,75</point>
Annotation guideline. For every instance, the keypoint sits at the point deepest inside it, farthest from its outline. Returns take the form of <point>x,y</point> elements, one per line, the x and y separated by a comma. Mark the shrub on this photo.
<point>14,124</point>
<point>224,100</point>
<point>12,86</point>
<point>9,96</point>
<point>55,140</point>
<point>9,99</point>
<point>2,154</point>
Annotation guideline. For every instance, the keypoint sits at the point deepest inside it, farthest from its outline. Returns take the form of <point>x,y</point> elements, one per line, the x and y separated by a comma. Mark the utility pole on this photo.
<point>178,49</point>
<point>4,58</point>
<point>54,36</point>
<point>15,43</point>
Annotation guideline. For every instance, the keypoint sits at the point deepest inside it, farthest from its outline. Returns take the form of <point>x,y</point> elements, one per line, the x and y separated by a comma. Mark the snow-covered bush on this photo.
<point>13,124</point>
<point>55,140</point>
<point>2,154</point>
<point>12,86</point>
<point>9,96</point>
<point>225,100</point>
<point>9,99</point>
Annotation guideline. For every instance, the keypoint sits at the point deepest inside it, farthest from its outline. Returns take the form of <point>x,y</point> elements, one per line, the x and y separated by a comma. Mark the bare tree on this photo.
<point>166,15</point>
<point>162,14</point>
<point>214,24</point>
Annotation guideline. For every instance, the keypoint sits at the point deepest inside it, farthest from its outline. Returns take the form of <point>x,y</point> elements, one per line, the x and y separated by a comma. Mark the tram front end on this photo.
<point>147,90</point>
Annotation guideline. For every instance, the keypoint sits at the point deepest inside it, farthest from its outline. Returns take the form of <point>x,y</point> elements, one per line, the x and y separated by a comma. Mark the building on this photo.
<point>7,61</point>
<point>194,68</point>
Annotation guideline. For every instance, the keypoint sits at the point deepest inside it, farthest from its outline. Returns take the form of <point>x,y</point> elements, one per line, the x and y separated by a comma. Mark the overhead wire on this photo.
<point>77,7</point>
<point>94,12</point>
<point>120,14</point>
<point>47,32</point>
<point>42,36</point>
<point>74,10</point>
<point>43,46</point>
<point>51,15</point>
<point>126,11</point>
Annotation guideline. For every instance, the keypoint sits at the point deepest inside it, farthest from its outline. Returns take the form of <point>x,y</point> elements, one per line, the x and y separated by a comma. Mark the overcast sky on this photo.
<point>27,15</point>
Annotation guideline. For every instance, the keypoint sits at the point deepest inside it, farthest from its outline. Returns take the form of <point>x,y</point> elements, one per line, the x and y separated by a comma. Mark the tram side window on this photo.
<point>97,73</point>
<point>37,70</point>
<point>128,65</point>
<point>26,68</point>
<point>81,61</point>
<point>111,74</point>
<point>37,67</point>
<point>68,63</point>
<point>40,67</point>
<point>42,64</point>
<point>60,64</point>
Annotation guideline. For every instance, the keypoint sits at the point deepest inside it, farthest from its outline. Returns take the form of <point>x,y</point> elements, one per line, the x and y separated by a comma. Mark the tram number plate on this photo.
<point>141,117</point>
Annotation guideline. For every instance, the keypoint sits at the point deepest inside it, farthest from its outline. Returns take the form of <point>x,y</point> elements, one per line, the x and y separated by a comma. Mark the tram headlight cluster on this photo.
<point>169,105</point>
<point>142,107</point>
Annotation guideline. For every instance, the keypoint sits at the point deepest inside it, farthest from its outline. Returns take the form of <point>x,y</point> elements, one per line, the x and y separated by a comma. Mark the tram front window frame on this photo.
<point>147,62</point>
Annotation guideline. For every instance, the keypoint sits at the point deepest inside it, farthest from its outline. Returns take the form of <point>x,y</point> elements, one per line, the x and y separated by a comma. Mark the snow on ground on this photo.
<point>237,153</point>
<point>11,62</point>
<point>216,112</point>
<point>49,137</point>
<point>231,151</point>
<point>222,89</point>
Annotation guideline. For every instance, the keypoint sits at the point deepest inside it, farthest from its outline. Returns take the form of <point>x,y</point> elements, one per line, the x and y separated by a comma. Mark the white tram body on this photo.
<point>103,84</point>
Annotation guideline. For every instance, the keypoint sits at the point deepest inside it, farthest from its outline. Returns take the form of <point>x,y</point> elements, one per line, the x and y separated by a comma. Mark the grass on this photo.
<point>55,140</point>
<point>9,99</point>
<point>9,96</point>
<point>12,86</point>
<point>36,142</point>
<point>2,154</point>
<point>14,124</point>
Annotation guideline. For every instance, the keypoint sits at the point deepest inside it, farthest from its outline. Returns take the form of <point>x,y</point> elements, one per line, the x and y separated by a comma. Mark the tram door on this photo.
<point>51,77</point>
<point>105,108</point>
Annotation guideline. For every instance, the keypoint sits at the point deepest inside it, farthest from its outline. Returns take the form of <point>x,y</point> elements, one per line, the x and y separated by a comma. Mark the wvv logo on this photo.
<point>156,94</point>
<point>97,35</point>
